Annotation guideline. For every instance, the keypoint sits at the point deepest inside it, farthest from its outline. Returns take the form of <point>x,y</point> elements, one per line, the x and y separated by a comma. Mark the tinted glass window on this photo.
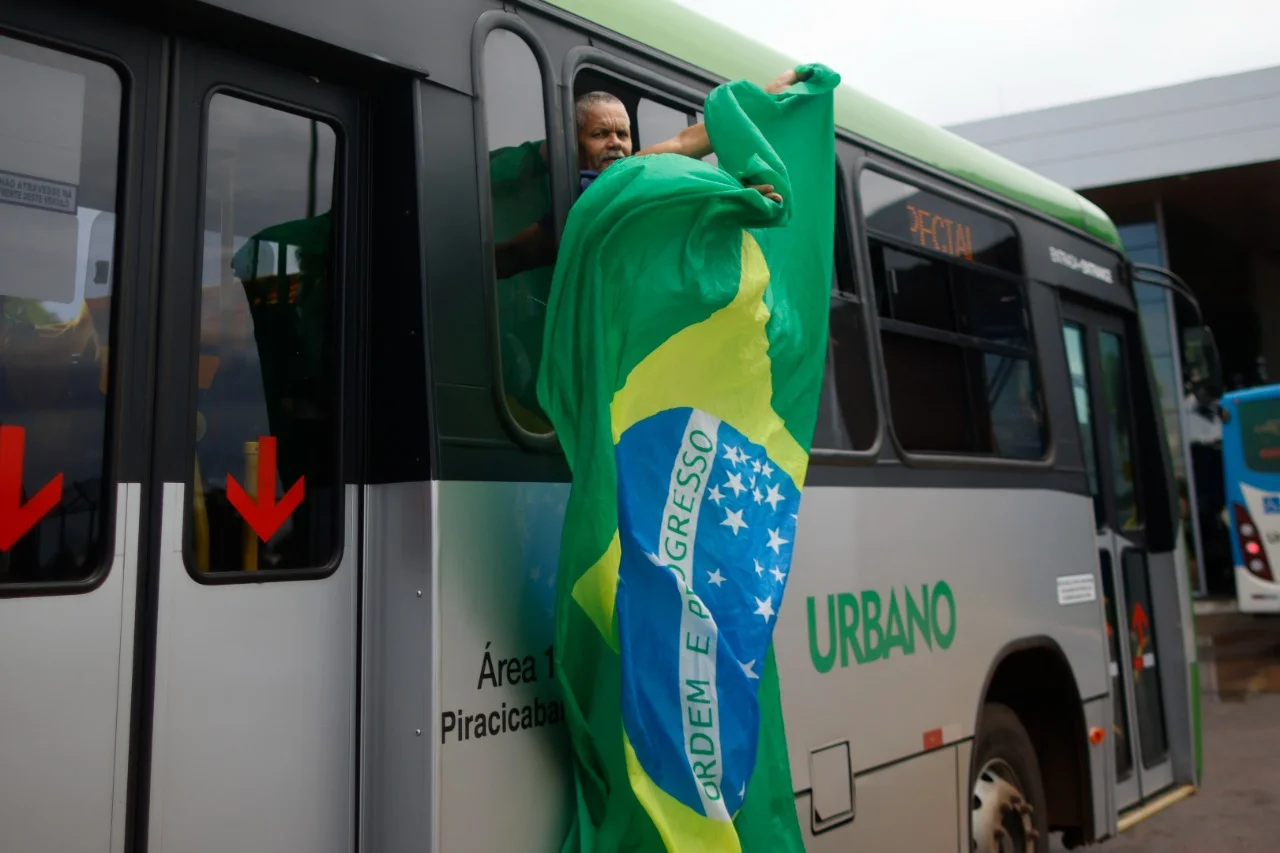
<point>958,356</point>
<point>1260,435</point>
<point>1073,338</point>
<point>59,157</point>
<point>523,227</point>
<point>1013,399</point>
<point>928,221</point>
<point>847,415</point>
<point>267,377</point>
<point>1115,387</point>
<point>1148,697</point>
<point>1120,705</point>
<point>657,122</point>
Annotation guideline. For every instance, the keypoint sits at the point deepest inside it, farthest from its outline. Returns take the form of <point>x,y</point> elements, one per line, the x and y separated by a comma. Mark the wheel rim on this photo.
<point>1001,821</point>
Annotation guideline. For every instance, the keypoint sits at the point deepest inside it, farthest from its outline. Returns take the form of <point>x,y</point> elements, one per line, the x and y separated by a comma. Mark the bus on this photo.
<point>1251,470</point>
<point>279,514</point>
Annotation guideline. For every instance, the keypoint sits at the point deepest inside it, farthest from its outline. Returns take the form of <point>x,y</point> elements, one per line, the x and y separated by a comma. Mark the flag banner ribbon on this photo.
<point>683,357</point>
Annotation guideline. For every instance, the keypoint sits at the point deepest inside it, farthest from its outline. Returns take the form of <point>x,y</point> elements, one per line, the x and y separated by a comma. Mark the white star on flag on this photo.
<point>757,494</point>
<point>716,495</point>
<point>732,454</point>
<point>775,541</point>
<point>764,607</point>
<point>759,568</point>
<point>778,574</point>
<point>748,668</point>
<point>733,519</point>
<point>715,577</point>
<point>755,466</point>
<point>735,483</point>
<point>775,497</point>
<point>766,469</point>
<point>752,482</point>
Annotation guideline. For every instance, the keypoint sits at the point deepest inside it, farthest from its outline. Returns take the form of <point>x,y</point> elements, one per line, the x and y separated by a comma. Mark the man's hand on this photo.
<point>767,191</point>
<point>785,80</point>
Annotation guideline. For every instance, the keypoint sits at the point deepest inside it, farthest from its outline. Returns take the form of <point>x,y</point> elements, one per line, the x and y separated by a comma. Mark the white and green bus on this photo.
<point>279,515</point>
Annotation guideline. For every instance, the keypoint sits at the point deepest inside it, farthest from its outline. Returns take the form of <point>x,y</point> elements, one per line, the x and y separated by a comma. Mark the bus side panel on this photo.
<point>397,662</point>
<point>892,805</point>
<point>901,599</point>
<point>1098,714</point>
<point>501,740</point>
<point>66,673</point>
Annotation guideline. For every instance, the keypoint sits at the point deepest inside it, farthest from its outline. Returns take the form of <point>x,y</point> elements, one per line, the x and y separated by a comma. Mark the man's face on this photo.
<point>604,136</point>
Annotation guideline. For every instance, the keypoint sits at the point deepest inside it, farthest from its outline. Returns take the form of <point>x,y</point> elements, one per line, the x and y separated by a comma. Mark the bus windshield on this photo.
<point>1260,434</point>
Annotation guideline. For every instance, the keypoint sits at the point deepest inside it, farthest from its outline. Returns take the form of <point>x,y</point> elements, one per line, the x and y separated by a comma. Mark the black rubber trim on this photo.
<point>485,25</point>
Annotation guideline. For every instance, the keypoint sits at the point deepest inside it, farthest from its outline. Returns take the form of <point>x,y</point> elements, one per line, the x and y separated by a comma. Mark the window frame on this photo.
<point>848,249</point>
<point>345,269</point>
<point>931,184</point>
<point>121,53</point>
<point>485,25</point>
<point>647,83</point>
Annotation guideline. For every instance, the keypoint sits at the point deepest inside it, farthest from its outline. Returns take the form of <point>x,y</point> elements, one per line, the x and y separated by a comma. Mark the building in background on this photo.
<point>1191,175</point>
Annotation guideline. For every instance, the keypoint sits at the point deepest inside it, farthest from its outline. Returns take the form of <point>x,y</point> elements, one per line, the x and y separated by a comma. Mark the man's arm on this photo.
<point>529,249</point>
<point>694,141</point>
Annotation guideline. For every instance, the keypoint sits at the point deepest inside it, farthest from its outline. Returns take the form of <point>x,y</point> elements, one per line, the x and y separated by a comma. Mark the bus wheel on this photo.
<point>1009,811</point>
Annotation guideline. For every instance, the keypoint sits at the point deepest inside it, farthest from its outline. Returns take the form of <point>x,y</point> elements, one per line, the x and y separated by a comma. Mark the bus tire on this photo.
<point>1008,809</point>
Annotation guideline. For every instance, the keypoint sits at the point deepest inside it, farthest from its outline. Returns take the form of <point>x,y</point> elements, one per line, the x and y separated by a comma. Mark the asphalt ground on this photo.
<point>1238,804</point>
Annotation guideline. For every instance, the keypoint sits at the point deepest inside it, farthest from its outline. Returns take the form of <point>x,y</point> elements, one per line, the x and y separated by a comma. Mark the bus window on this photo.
<point>523,224</point>
<point>1073,338</point>
<point>955,329</point>
<point>1260,434</point>
<point>847,414</point>
<point>268,372</point>
<point>1119,430</point>
<point>59,157</point>
<point>657,122</point>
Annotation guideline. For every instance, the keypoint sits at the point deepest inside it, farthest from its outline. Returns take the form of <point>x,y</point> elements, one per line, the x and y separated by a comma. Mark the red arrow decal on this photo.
<point>1140,624</point>
<point>265,515</point>
<point>15,518</point>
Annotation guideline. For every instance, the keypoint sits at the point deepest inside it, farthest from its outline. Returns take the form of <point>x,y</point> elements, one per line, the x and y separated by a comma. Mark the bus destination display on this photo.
<point>929,221</point>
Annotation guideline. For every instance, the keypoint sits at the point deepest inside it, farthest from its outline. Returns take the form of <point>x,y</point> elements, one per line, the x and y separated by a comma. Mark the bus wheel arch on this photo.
<point>1032,678</point>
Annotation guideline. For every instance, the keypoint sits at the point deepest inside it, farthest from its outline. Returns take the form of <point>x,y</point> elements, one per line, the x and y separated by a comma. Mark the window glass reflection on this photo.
<point>59,157</point>
<point>268,370</point>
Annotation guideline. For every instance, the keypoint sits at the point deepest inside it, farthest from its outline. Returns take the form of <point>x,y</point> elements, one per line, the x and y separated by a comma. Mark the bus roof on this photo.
<point>686,35</point>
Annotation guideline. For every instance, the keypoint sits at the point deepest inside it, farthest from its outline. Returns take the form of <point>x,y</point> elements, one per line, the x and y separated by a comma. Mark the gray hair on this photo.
<point>592,99</point>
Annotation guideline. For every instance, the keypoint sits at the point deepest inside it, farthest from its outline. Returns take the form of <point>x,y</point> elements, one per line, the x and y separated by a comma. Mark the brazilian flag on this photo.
<point>684,351</point>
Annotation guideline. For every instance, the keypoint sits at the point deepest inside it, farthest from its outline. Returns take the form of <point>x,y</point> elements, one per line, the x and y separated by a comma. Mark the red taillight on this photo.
<point>1255,558</point>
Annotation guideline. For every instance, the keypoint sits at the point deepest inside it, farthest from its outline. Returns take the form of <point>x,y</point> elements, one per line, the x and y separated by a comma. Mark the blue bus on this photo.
<point>1251,467</point>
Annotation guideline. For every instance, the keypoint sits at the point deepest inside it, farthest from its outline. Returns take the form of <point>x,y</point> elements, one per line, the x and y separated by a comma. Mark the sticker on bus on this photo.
<point>1076,589</point>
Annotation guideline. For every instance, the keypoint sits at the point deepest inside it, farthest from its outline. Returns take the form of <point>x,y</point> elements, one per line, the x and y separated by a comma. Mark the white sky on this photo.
<point>950,61</point>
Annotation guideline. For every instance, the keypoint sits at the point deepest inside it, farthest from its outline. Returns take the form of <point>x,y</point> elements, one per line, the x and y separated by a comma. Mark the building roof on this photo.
<point>1208,124</point>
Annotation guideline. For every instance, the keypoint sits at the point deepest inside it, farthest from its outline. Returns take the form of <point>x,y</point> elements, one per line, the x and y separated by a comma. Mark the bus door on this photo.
<point>1102,383</point>
<point>252,718</point>
<point>178,544</point>
<point>1251,470</point>
<point>71,469</point>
